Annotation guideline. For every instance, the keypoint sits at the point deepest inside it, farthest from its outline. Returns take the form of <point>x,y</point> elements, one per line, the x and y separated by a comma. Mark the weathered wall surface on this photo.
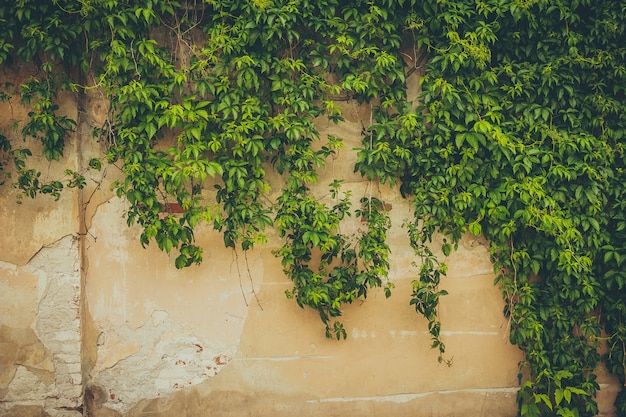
<point>40,287</point>
<point>91,323</point>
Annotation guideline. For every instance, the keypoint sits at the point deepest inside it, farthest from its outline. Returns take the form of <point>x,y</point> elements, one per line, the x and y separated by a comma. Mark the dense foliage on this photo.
<point>519,136</point>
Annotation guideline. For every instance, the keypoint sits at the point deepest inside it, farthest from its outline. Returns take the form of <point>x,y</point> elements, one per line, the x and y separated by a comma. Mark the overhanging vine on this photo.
<point>518,135</point>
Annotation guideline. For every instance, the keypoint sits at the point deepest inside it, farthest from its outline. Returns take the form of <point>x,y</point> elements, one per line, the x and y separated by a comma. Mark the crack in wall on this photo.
<point>403,398</point>
<point>34,264</point>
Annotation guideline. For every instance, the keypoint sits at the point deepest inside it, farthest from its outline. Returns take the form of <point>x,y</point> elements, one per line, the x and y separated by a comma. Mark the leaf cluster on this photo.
<point>517,135</point>
<point>520,137</point>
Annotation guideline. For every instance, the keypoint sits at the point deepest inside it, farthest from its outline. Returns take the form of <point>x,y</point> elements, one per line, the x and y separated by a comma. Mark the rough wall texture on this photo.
<point>93,324</point>
<point>40,288</point>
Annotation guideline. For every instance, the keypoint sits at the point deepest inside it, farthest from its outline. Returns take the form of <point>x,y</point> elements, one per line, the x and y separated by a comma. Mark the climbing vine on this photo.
<point>517,135</point>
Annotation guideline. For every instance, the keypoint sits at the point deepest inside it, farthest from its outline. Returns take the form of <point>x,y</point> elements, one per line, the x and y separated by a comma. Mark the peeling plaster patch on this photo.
<point>23,410</point>
<point>404,398</point>
<point>114,349</point>
<point>57,323</point>
<point>154,360</point>
<point>26,387</point>
<point>59,256</point>
<point>20,346</point>
<point>8,266</point>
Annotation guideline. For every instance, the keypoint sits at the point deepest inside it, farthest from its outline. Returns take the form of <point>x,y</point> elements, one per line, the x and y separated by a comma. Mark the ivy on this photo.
<point>517,135</point>
<point>513,145</point>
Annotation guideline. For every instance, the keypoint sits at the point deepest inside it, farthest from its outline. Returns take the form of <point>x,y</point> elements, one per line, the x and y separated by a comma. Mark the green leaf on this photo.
<point>459,139</point>
<point>446,248</point>
<point>181,261</point>
<point>558,396</point>
<point>475,228</point>
<point>543,398</point>
<point>567,394</point>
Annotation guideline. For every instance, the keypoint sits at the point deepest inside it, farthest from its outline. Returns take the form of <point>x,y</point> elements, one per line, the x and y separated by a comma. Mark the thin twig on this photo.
<point>245,255</point>
<point>236,260</point>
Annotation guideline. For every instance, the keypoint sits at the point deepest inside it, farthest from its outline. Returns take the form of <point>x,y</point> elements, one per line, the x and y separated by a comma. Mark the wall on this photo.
<point>40,286</point>
<point>93,324</point>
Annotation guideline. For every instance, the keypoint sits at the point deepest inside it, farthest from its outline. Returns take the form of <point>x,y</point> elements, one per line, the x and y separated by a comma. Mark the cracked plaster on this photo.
<point>160,329</point>
<point>46,336</point>
<point>155,359</point>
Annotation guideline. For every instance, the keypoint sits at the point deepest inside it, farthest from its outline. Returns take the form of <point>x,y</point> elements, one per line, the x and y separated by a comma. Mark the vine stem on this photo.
<point>236,261</point>
<point>253,291</point>
<point>371,186</point>
<point>511,297</point>
<point>245,255</point>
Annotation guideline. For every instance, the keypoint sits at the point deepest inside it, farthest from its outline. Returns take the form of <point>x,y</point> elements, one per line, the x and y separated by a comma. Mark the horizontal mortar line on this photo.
<point>473,274</point>
<point>404,333</point>
<point>403,398</point>
<point>470,332</point>
<point>285,358</point>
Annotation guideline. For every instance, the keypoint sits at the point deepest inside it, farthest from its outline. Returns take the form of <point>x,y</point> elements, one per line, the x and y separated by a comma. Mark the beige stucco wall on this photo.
<point>91,323</point>
<point>40,283</point>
